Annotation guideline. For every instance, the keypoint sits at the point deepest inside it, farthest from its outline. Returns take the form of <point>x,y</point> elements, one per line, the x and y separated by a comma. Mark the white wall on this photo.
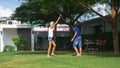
<point>6,37</point>
<point>8,34</point>
<point>1,40</point>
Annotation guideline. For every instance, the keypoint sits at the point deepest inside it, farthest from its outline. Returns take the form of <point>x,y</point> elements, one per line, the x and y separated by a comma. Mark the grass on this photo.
<point>62,60</point>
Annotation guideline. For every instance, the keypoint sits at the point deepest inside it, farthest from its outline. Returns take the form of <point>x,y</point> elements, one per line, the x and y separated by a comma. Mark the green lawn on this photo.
<point>62,60</point>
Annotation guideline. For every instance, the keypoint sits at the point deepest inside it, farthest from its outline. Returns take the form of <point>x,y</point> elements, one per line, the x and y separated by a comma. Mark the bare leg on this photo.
<point>49,48</point>
<point>54,46</point>
<point>80,51</point>
<point>76,50</point>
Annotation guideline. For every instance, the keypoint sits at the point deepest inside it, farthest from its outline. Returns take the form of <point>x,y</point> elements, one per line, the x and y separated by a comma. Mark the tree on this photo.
<point>29,11</point>
<point>72,7</point>
<point>51,8</point>
<point>67,8</point>
<point>111,20</point>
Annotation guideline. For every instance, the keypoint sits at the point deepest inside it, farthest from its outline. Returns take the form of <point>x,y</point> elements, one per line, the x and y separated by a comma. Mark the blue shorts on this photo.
<point>50,38</point>
<point>76,42</point>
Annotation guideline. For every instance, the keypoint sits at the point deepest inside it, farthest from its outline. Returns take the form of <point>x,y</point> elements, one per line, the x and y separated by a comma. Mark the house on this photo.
<point>97,25</point>
<point>3,20</point>
<point>12,28</point>
<point>7,32</point>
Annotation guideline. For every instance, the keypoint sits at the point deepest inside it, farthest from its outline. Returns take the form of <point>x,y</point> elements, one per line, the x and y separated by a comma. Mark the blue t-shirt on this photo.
<point>78,30</point>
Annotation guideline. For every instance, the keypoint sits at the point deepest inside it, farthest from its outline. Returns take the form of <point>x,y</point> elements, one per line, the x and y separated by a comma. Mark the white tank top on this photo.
<point>50,32</point>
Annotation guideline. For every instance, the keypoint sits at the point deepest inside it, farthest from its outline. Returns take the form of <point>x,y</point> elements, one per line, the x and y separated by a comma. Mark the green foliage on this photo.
<point>19,43</point>
<point>28,11</point>
<point>9,48</point>
<point>42,9</point>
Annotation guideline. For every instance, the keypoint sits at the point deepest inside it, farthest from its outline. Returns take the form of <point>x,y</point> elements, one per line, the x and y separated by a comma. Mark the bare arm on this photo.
<point>57,20</point>
<point>74,36</point>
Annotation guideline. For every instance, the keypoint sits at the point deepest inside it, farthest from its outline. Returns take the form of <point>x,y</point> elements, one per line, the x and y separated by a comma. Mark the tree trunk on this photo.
<point>114,26</point>
<point>115,39</point>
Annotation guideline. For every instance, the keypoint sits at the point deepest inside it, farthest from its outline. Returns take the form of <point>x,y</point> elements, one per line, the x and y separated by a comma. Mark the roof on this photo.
<point>15,26</point>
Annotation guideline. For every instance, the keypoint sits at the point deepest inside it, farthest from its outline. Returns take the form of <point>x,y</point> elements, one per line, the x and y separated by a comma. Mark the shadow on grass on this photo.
<point>104,54</point>
<point>31,52</point>
<point>42,52</point>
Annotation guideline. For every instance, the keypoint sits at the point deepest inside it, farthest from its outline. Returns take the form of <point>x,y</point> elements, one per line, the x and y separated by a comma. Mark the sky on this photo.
<point>7,7</point>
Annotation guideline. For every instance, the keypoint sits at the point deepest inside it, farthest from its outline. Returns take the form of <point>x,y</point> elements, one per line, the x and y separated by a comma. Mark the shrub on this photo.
<point>9,48</point>
<point>19,43</point>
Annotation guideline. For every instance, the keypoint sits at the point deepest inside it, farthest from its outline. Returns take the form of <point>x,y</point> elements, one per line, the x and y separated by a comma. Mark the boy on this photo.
<point>77,39</point>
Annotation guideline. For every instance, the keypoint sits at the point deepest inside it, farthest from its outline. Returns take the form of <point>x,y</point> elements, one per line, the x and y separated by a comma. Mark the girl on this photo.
<point>50,37</point>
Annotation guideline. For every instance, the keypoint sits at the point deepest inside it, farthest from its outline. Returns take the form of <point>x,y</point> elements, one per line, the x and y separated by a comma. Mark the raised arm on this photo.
<point>57,20</point>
